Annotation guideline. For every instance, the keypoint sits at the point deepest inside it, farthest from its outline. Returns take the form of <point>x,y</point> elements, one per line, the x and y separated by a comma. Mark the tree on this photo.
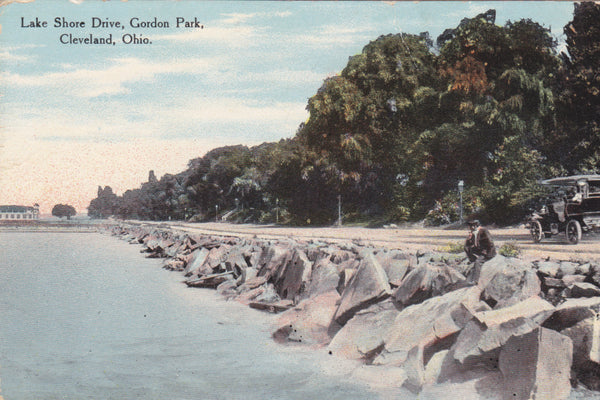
<point>581,90</point>
<point>63,210</point>
<point>105,205</point>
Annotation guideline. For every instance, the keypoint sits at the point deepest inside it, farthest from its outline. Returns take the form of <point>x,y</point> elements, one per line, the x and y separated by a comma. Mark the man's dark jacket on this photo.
<point>482,245</point>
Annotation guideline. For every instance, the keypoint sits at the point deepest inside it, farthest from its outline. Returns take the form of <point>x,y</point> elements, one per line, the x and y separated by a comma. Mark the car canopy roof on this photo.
<point>570,180</point>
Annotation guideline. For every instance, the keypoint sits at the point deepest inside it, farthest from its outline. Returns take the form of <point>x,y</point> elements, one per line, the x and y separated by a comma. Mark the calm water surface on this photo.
<point>85,316</point>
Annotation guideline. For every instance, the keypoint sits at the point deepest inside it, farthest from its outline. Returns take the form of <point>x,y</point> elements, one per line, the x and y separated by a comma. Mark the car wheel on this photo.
<point>536,231</point>
<point>573,231</point>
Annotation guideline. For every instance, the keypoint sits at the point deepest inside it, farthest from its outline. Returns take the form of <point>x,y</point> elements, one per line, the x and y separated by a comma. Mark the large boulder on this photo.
<point>572,311</point>
<point>362,336</point>
<point>194,265</point>
<point>368,286</point>
<point>272,259</point>
<point>507,281</point>
<point>396,264</point>
<point>324,277</point>
<point>234,261</point>
<point>421,330</point>
<point>586,351</point>
<point>426,281</point>
<point>483,336</point>
<point>536,365</point>
<point>294,276</point>
<point>308,322</point>
<point>216,256</point>
<point>584,289</point>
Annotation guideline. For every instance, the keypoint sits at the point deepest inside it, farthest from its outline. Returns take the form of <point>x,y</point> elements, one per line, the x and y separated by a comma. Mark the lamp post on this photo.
<point>339,210</point>
<point>461,186</point>
<point>277,211</point>
<point>216,213</point>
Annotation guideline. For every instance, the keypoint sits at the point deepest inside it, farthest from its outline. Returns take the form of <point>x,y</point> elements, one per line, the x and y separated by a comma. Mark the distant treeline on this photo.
<point>407,119</point>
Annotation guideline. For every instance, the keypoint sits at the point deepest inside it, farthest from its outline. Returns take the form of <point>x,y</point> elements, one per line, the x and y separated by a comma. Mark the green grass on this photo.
<point>509,249</point>
<point>452,247</point>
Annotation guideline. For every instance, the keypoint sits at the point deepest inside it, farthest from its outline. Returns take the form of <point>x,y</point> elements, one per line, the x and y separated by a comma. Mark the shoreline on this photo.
<point>417,320</point>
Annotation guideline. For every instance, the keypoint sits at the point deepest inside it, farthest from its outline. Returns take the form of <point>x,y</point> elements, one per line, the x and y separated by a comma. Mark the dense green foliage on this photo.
<point>392,135</point>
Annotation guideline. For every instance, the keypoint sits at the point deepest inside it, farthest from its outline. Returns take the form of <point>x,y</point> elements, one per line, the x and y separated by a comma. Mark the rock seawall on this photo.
<point>521,330</point>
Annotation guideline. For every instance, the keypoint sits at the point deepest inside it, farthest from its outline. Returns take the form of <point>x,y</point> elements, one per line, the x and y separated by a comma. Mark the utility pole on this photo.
<point>461,186</point>
<point>339,210</point>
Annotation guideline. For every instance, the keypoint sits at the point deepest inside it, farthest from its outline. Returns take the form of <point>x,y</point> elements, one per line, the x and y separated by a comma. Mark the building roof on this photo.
<point>16,209</point>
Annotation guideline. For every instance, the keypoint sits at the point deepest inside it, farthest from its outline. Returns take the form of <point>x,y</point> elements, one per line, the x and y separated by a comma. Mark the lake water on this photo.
<point>86,316</point>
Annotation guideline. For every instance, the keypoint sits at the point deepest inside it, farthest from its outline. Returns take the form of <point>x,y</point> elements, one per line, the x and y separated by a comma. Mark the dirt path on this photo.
<point>413,239</point>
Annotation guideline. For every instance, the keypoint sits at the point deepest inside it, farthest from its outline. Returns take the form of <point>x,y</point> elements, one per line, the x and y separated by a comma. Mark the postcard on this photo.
<point>300,158</point>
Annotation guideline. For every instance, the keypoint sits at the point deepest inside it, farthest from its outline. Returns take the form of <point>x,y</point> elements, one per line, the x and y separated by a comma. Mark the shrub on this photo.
<point>509,249</point>
<point>452,247</point>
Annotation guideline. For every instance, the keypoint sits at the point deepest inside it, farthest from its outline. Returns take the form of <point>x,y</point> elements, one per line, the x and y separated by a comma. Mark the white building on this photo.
<point>19,213</point>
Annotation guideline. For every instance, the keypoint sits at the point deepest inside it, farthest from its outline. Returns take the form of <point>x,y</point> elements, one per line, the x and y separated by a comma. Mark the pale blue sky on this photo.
<point>114,112</point>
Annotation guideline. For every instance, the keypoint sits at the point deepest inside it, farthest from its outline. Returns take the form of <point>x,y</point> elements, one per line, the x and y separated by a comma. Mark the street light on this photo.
<point>339,210</point>
<point>216,213</point>
<point>277,211</point>
<point>461,186</point>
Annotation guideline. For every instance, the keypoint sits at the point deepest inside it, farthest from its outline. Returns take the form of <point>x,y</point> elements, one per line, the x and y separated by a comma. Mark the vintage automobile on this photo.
<point>573,209</point>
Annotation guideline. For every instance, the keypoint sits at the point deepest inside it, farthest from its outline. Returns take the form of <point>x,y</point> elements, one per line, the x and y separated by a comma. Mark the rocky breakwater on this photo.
<point>521,330</point>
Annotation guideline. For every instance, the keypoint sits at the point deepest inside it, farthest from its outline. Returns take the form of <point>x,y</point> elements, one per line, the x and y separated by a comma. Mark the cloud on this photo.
<point>216,118</point>
<point>7,55</point>
<point>214,35</point>
<point>238,18</point>
<point>7,2</point>
<point>112,80</point>
<point>65,155</point>
<point>221,33</point>
<point>334,36</point>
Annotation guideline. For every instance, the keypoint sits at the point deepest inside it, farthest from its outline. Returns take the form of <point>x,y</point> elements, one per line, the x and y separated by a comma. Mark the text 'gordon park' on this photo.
<point>77,35</point>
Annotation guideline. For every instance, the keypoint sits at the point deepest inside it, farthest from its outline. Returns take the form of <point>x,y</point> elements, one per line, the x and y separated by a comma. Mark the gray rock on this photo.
<point>368,286</point>
<point>396,264</point>
<point>480,340</point>
<point>345,277</point>
<point>248,296</point>
<point>294,276</point>
<point>235,261</point>
<point>586,341</point>
<point>585,269</point>
<point>572,311</point>
<point>324,278</point>
<point>584,289</point>
<point>309,321</point>
<point>431,325</point>
<point>536,365</point>
<point>269,295</point>
<point>568,268</point>
<point>217,255</point>
<point>196,262</point>
<point>362,336</point>
<point>507,281</point>
<point>427,281</point>
<point>553,282</point>
<point>227,289</point>
<point>273,258</point>
<point>569,280</point>
<point>548,268</point>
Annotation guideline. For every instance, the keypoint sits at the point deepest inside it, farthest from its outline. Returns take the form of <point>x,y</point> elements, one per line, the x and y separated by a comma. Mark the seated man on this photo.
<point>479,247</point>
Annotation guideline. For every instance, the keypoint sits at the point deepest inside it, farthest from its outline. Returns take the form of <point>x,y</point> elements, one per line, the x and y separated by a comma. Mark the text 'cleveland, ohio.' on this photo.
<point>87,38</point>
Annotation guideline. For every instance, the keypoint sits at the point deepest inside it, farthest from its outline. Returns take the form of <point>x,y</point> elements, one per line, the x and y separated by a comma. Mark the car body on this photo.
<point>573,209</point>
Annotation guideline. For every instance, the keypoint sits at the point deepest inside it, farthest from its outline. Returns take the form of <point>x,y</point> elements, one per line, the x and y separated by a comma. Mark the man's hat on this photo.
<point>473,222</point>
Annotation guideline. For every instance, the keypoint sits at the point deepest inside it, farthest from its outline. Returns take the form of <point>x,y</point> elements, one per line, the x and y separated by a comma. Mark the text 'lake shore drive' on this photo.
<point>107,23</point>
